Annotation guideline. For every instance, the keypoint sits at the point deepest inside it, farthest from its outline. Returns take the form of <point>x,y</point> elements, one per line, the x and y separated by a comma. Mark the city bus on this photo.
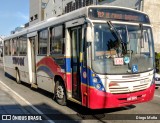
<point>96,56</point>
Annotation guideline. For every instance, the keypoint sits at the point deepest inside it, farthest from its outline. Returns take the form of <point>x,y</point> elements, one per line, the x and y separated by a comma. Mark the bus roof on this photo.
<point>82,12</point>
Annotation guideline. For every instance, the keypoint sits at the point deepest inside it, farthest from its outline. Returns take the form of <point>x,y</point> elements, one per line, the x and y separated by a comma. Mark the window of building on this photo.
<point>43,41</point>
<point>23,45</point>
<point>31,19</point>
<point>36,16</point>
<point>57,41</point>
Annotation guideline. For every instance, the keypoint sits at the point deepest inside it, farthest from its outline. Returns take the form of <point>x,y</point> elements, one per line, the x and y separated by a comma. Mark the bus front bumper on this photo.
<point>100,100</point>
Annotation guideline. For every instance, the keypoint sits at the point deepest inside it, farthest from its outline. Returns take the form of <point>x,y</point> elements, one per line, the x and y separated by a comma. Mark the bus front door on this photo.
<point>76,38</point>
<point>33,61</point>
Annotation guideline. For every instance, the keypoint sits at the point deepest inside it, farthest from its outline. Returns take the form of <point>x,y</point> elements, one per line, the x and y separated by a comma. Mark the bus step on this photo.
<point>34,86</point>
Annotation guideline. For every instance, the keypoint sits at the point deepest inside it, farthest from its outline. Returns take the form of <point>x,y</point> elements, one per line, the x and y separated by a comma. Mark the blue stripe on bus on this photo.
<point>68,65</point>
<point>46,70</point>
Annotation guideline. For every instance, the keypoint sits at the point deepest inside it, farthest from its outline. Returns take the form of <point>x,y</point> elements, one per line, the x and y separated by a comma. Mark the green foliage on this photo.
<point>157,61</point>
<point>157,55</point>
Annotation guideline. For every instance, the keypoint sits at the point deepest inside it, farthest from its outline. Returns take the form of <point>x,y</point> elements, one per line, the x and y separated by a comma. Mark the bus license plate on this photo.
<point>118,61</point>
<point>132,98</point>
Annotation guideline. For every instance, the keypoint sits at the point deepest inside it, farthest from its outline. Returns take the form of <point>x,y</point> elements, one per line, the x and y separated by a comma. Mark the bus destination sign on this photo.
<point>118,14</point>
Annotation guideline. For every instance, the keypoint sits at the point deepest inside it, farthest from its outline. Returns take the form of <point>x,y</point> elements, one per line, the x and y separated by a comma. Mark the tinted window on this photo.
<point>15,46</point>
<point>23,45</point>
<point>43,39</point>
<point>57,42</point>
<point>7,47</point>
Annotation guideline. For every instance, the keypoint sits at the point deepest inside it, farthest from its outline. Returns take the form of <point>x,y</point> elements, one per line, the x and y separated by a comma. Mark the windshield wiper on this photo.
<point>141,37</point>
<point>114,30</point>
<point>130,51</point>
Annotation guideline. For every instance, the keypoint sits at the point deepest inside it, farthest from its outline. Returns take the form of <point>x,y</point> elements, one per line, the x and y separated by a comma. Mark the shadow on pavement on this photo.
<point>83,113</point>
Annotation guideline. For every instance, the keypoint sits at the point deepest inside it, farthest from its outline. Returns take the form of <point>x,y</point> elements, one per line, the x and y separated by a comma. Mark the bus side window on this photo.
<point>23,45</point>
<point>14,46</point>
<point>7,47</point>
<point>10,47</point>
<point>20,46</point>
<point>43,42</point>
<point>57,40</point>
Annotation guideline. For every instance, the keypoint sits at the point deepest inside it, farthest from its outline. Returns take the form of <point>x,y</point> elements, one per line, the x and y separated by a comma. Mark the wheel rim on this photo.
<point>60,92</point>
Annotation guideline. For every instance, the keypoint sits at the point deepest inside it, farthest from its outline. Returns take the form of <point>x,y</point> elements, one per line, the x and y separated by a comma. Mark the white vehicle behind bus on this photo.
<point>157,80</point>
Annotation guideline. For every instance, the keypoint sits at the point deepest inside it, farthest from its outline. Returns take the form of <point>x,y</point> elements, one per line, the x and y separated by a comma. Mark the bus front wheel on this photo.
<point>18,77</point>
<point>60,95</point>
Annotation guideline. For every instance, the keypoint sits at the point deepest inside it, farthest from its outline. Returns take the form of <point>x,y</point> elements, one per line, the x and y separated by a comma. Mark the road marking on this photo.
<point>28,103</point>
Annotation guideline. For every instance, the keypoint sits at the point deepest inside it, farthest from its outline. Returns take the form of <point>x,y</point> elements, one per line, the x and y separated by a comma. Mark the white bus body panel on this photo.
<point>43,80</point>
<point>10,68</point>
<point>127,83</point>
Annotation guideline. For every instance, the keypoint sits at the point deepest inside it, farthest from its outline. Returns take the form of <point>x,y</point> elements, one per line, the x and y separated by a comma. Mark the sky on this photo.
<point>13,13</point>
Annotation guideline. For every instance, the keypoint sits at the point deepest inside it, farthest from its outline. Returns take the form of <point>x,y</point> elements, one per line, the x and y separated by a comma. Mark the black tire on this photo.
<point>18,80</point>
<point>60,93</point>
<point>157,87</point>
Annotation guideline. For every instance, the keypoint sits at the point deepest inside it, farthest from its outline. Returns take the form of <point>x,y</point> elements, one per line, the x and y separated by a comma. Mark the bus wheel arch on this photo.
<point>18,80</point>
<point>60,91</point>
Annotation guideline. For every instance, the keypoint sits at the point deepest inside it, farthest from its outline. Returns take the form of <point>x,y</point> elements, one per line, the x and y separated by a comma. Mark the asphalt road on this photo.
<point>42,100</point>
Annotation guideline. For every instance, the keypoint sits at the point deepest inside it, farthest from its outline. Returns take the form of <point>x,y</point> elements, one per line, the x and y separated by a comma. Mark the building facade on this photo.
<point>36,11</point>
<point>135,4</point>
<point>151,7</point>
<point>56,8</point>
<point>44,9</point>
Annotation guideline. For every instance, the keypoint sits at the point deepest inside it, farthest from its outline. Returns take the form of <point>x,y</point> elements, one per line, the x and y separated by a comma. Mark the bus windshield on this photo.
<point>113,54</point>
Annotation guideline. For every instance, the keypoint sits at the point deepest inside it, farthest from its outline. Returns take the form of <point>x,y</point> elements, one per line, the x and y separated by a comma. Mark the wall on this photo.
<point>152,8</point>
<point>56,8</point>
<point>36,9</point>
<point>135,4</point>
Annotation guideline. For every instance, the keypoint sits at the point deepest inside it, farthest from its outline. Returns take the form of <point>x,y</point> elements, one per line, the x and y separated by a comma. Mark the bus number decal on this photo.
<point>18,61</point>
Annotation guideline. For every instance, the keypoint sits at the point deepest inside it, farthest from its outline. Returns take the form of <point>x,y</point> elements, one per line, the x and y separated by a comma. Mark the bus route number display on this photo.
<point>118,14</point>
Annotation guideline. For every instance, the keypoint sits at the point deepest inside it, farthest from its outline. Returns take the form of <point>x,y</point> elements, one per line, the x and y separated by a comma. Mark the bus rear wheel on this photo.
<point>18,80</point>
<point>60,94</point>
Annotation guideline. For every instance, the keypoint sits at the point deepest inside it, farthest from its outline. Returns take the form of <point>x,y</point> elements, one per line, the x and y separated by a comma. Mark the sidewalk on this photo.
<point>9,106</point>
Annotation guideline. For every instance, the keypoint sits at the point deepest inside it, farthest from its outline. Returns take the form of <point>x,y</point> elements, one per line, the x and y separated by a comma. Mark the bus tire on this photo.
<point>18,80</point>
<point>60,94</point>
<point>157,87</point>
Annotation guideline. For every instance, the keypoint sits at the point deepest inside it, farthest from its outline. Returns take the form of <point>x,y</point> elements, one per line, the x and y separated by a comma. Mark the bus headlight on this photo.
<point>97,83</point>
<point>98,86</point>
<point>95,80</point>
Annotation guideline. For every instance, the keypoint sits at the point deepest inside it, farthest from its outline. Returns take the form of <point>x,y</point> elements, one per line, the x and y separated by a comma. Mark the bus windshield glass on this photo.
<point>130,52</point>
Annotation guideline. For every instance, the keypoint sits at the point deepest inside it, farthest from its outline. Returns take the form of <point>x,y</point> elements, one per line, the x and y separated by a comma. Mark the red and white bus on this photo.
<point>97,56</point>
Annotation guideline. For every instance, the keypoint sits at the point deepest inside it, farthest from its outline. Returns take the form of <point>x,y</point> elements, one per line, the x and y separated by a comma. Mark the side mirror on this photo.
<point>89,37</point>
